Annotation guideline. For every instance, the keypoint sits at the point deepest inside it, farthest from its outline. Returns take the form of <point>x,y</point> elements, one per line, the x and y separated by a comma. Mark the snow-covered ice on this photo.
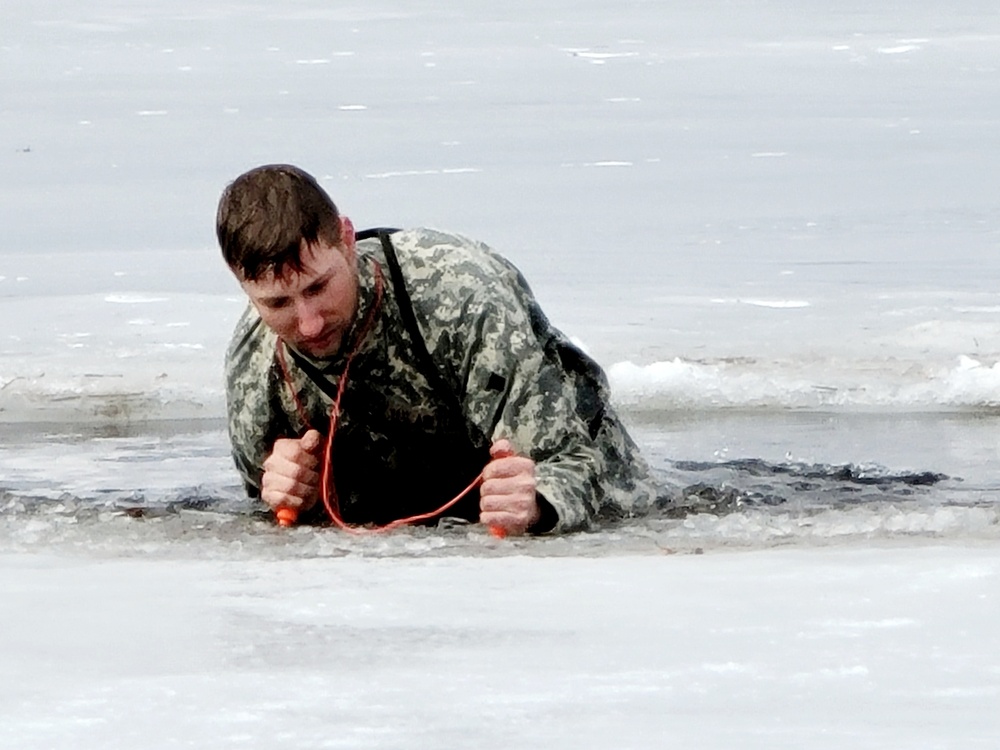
<point>775,224</point>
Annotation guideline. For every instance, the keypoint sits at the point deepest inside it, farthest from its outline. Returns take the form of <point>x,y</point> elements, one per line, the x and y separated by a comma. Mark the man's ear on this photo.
<point>347,235</point>
<point>348,240</point>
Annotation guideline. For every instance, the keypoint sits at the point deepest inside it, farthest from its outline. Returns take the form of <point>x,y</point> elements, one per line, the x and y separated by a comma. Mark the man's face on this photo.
<point>311,309</point>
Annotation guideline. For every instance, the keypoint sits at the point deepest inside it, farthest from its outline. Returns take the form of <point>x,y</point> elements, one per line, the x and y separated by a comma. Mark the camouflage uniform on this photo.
<point>408,440</point>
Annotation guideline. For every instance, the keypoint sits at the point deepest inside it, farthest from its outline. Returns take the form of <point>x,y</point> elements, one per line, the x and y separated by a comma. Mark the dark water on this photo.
<point>161,491</point>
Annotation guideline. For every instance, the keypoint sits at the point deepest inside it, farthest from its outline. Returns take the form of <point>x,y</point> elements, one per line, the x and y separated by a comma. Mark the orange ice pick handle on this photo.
<point>287,516</point>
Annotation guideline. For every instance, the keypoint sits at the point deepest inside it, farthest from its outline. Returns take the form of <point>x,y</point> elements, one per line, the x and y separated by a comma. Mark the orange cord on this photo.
<point>288,516</point>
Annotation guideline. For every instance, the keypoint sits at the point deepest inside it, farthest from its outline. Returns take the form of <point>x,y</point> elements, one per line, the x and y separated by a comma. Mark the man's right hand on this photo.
<point>292,473</point>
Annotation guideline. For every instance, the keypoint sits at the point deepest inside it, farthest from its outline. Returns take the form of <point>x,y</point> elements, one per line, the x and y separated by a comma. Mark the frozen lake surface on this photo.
<point>883,647</point>
<point>776,224</point>
<point>772,206</point>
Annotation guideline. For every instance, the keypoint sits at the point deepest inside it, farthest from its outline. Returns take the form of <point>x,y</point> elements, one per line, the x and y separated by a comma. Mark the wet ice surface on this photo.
<point>870,648</point>
<point>729,481</point>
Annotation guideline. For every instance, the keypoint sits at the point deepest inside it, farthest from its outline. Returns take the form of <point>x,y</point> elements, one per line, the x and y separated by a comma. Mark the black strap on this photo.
<point>315,374</point>
<point>426,362</point>
<point>368,234</point>
<point>427,366</point>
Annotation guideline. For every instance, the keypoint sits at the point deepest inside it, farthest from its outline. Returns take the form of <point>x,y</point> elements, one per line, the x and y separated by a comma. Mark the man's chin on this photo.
<point>320,349</point>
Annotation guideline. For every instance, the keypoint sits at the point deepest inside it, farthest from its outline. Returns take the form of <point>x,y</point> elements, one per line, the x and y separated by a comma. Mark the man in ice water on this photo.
<point>451,370</point>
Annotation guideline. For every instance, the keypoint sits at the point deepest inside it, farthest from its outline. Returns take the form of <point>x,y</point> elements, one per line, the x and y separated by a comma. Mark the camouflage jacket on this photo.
<point>415,430</point>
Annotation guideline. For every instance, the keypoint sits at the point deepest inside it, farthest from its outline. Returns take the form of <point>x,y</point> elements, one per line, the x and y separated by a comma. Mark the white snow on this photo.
<point>764,255</point>
<point>826,648</point>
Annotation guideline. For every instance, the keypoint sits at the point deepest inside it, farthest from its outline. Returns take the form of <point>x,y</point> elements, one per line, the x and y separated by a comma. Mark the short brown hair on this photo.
<point>265,214</point>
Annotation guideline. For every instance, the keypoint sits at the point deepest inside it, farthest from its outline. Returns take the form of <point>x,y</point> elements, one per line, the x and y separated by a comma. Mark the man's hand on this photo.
<point>507,497</point>
<point>291,473</point>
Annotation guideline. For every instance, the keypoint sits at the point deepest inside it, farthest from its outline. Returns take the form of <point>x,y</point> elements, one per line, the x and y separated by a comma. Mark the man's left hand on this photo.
<point>507,498</point>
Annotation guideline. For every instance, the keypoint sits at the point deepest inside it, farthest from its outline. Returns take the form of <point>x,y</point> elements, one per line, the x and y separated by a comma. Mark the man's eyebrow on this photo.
<point>319,281</point>
<point>273,299</point>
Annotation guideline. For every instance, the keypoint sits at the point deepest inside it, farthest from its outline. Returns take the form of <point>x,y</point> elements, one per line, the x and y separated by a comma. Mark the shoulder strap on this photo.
<point>368,234</point>
<point>427,366</point>
<point>425,361</point>
<point>315,375</point>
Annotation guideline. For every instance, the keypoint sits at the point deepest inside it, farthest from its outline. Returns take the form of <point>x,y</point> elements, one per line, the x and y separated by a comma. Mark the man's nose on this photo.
<point>310,319</point>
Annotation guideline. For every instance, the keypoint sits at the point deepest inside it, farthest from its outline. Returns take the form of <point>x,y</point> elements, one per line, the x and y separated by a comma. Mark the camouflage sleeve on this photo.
<point>253,422</point>
<point>484,328</point>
